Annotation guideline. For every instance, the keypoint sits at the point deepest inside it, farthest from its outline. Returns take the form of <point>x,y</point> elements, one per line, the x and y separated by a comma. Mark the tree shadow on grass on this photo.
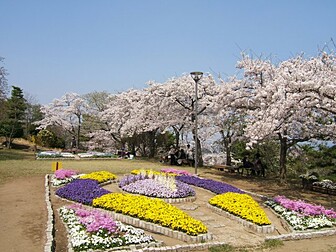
<point>16,154</point>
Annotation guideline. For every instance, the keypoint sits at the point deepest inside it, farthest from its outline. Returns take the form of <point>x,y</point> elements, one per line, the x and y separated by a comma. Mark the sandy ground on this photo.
<point>23,214</point>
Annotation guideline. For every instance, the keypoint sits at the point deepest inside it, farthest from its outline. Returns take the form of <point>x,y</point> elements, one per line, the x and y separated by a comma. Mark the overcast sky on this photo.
<point>54,47</point>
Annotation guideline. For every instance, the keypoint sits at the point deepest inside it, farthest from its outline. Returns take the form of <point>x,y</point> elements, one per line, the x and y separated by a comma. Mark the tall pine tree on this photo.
<point>12,124</point>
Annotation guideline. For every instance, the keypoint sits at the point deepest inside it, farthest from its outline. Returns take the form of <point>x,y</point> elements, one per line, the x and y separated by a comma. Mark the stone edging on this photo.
<point>152,227</point>
<point>302,235</point>
<point>50,231</point>
<point>179,200</point>
<point>267,229</point>
<point>75,158</point>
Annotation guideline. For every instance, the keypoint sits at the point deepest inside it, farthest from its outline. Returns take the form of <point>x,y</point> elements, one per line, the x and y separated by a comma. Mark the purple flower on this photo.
<point>82,191</point>
<point>131,179</point>
<point>209,184</point>
<point>152,188</point>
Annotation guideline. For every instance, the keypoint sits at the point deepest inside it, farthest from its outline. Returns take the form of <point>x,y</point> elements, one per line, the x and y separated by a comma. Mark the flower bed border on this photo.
<point>50,230</point>
<point>127,247</point>
<point>309,233</point>
<point>155,228</point>
<point>300,235</point>
<point>75,158</point>
<point>266,229</point>
<point>324,190</point>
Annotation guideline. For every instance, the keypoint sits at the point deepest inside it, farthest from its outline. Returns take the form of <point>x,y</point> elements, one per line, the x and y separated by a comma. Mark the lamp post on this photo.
<point>196,77</point>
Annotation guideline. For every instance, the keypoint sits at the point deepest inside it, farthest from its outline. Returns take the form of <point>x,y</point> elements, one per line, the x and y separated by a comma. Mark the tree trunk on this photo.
<point>199,150</point>
<point>199,154</point>
<point>283,157</point>
<point>177,137</point>
<point>152,142</point>
<point>227,144</point>
<point>9,138</point>
<point>78,131</point>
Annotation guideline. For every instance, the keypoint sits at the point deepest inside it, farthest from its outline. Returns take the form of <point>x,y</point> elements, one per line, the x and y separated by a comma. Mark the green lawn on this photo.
<point>18,163</point>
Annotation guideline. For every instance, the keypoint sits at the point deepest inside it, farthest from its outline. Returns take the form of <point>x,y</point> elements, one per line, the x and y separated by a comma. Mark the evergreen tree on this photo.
<point>12,124</point>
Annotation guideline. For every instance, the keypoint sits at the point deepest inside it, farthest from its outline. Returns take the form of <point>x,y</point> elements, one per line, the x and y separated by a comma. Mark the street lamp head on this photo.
<point>196,76</point>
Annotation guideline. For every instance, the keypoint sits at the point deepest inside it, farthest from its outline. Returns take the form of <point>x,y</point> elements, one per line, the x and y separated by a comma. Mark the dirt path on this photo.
<point>23,215</point>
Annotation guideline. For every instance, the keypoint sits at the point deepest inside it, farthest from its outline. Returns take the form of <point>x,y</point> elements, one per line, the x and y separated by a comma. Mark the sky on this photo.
<point>51,48</point>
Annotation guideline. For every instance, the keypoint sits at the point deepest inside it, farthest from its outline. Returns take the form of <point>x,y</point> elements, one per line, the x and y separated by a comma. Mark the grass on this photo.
<point>268,245</point>
<point>271,244</point>
<point>21,163</point>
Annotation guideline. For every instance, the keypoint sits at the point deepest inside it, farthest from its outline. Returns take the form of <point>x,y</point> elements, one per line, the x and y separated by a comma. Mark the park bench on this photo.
<point>226,168</point>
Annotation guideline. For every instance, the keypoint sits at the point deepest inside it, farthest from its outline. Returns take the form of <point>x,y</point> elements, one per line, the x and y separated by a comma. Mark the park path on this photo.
<point>222,228</point>
<point>23,215</point>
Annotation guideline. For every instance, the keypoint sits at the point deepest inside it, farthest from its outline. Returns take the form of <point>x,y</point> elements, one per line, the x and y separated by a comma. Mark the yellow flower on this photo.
<point>153,210</point>
<point>100,176</point>
<point>241,205</point>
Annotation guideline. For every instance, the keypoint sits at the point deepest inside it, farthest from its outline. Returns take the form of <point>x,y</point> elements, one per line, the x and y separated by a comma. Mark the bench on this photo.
<point>226,168</point>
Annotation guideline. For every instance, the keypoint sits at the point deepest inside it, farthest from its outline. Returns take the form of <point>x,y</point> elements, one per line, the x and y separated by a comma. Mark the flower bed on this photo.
<point>92,230</point>
<point>94,154</point>
<point>63,176</point>
<point>149,173</point>
<point>176,171</point>
<point>54,155</point>
<point>152,210</point>
<point>301,215</point>
<point>100,176</point>
<point>82,191</point>
<point>241,205</point>
<point>158,185</point>
<point>209,184</point>
<point>325,186</point>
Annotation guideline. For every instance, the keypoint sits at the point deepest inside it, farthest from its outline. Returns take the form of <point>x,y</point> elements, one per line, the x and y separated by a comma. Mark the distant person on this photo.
<point>246,165</point>
<point>181,156</point>
<point>190,155</point>
<point>172,155</point>
<point>259,169</point>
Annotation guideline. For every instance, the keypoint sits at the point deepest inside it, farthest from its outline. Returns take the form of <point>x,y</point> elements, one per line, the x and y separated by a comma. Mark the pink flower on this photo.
<point>304,208</point>
<point>94,220</point>
<point>62,174</point>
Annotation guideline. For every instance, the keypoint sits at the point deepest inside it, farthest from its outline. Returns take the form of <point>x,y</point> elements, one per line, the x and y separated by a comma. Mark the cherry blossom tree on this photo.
<point>289,101</point>
<point>223,121</point>
<point>177,101</point>
<point>115,120</point>
<point>96,103</point>
<point>66,113</point>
